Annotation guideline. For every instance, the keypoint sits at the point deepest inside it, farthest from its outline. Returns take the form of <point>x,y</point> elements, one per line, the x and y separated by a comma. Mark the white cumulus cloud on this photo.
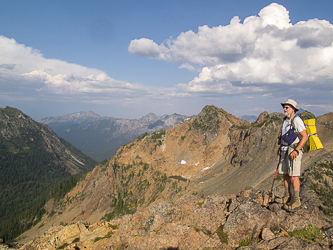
<point>29,72</point>
<point>147,47</point>
<point>265,50</point>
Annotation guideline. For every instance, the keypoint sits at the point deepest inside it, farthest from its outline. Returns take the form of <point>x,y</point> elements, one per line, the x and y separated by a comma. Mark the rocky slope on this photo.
<point>100,137</point>
<point>247,220</point>
<point>213,155</point>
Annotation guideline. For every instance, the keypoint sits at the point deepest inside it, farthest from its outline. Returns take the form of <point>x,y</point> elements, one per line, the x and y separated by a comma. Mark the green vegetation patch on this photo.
<point>157,135</point>
<point>37,179</point>
<point>268,120</point>
<point>29,171</point>
<point>279,177</point>
<point>308,234</point>
<point>131,186</point>
<point>244,242</point>
<point>63,187</point>
<point>207,120</point>
<point>199,194</point>
<point>51,214</point>
<point>321,184</point>
<point>222,235</point>
<point>114,227</point>
<point>200,204</point>
<point>107,236</point>
<point>307,115</point>
<point>243,127</point>
<point>142,136</point>
<point>104,165</point>
<point>121,205</point>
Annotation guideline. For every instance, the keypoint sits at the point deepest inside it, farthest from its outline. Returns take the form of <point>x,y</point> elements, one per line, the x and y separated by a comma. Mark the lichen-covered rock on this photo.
<point>247,221</point>
<point>302,218</point>
<point>267,234</point>
<point>195,223</point>
<point>68,237</point>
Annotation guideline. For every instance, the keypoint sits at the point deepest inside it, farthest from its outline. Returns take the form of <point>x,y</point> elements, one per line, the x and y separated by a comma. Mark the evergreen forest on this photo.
<point>30,174</point>
<point>27,180</point>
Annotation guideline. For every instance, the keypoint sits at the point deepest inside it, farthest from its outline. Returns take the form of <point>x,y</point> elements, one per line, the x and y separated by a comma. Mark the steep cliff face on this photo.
<point>212,153</point>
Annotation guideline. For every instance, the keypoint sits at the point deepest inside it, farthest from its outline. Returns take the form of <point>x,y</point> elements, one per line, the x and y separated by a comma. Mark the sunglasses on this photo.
<point>286,107</point>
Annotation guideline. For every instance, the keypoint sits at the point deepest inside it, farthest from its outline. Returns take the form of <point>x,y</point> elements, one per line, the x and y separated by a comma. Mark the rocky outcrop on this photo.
<point>247,220</point>
<point>67,237</point>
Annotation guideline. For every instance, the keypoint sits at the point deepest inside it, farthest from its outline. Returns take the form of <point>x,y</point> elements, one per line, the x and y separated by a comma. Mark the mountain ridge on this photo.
<point>77,117</point>
<point>100,137</point>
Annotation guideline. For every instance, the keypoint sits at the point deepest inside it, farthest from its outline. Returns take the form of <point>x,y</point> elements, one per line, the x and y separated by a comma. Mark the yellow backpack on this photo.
<point>310,123</point>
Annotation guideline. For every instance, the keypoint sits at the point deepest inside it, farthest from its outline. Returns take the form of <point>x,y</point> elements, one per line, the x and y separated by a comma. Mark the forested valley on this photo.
<point>35,166</point>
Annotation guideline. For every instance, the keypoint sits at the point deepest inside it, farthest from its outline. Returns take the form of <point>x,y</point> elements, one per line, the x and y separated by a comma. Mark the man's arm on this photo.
<point>303,141</point>
<point>300,145</point>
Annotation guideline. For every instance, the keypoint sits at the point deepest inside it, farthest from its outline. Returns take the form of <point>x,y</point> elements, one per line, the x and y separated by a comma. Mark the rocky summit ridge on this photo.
<point>204,184</point>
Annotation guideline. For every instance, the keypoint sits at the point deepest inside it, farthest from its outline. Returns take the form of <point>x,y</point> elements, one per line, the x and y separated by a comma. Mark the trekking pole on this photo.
<point>276,171</point>
<point>292,170</point>
<point>292,166</point>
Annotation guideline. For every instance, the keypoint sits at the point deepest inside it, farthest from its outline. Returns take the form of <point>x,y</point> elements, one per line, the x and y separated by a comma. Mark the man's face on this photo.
<point>288,111</point>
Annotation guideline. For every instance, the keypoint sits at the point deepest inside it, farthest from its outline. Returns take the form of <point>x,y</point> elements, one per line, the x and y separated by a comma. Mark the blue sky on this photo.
<point>128,58</point>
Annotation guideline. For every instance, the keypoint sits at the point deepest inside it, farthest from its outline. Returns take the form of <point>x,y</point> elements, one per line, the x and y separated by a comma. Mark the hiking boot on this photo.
<point>295,203</point>
<point>283,200</point>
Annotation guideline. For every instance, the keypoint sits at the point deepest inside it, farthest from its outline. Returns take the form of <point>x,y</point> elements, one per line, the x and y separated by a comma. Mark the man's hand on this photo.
<point>293,154</point>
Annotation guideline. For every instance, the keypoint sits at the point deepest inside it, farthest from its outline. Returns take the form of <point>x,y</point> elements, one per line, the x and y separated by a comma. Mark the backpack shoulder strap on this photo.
<point>293,125</point>
<point>293,122</point>
<point>280,134</point>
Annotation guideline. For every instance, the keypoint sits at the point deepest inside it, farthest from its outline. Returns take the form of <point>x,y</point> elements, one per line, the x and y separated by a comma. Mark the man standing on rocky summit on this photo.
<point>291,155</point>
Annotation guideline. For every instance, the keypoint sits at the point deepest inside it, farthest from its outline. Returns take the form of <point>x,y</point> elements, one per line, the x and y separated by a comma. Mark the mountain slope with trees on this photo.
<point>33,161</point>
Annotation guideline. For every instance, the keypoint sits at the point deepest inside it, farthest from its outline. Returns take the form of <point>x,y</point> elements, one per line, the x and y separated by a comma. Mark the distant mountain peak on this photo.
<point>150,117</point>
<point>90,112</point>
<point>78,117</point>
<point>79,114</point>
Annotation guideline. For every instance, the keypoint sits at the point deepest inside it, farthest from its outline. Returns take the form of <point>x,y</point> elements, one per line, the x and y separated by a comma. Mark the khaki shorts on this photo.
<point>285,165</point>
